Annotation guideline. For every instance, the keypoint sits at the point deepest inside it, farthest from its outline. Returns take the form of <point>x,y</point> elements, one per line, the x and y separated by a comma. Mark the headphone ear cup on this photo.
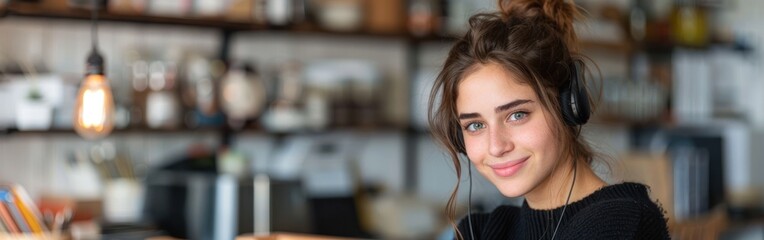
<point>574,102</point>
<point>584,110</point>
<point>567,107</point>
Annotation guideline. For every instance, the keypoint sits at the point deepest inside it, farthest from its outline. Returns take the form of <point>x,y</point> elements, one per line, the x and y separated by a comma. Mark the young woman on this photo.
<point>511,97</point>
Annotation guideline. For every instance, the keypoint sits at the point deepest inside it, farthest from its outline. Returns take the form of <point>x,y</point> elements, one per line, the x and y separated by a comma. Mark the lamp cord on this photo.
<point>94,27</point>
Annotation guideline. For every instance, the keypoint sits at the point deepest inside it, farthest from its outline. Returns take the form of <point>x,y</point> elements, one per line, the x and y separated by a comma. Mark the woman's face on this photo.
<point>506,133</point>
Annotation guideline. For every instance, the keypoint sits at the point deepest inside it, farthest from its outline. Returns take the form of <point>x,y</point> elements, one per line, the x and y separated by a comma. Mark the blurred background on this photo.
<point>233,117</point>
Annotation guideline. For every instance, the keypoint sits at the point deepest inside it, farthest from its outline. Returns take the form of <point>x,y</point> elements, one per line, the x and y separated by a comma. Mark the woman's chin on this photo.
<point>511,190</point>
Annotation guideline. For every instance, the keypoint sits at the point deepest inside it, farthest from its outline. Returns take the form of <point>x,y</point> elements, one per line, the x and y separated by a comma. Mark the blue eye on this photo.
<point>472,127</point>
<point>518,116</point>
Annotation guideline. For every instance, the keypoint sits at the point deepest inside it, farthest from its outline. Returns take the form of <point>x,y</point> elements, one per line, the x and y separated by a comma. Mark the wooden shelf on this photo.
<point>115,132</point>
<point>313,29</point>
<point>208,130</point>
<point>33,10</point>
<point>39,11</point>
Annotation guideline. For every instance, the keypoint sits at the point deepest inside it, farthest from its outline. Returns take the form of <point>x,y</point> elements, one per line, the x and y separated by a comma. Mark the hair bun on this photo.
<point>561,12</point>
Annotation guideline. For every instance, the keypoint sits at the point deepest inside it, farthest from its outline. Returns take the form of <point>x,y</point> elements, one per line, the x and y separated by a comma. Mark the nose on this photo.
<point>500,142</point>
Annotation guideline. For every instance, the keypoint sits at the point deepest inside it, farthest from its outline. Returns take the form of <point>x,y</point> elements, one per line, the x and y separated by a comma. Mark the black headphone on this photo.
<point>574,100</point>
<point>574,103</point>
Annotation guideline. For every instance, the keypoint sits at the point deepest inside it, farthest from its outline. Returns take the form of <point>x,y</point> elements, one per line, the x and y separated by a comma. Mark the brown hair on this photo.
<point>532,39</point>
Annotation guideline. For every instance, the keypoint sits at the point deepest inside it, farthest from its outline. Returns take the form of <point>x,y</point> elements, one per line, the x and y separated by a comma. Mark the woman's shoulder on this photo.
<point>634,196</point>
<point>624,209</point>
<point>627,195</point>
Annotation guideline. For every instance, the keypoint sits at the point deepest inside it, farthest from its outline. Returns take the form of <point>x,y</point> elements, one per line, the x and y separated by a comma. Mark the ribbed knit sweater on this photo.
<point>621,211</point>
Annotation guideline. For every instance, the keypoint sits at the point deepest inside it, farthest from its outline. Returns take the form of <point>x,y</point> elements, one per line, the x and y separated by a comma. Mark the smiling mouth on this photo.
<point>509,168</point>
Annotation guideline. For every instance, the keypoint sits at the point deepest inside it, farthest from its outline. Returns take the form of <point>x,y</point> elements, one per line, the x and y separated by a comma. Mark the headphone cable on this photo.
<point>469,200</point>
<point>575,170</point>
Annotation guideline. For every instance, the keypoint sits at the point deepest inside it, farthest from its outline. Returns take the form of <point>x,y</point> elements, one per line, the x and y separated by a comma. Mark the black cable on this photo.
<point>575,170</point>
<point>548,220</point>
<point>469,200</point>
<point>93,27</point>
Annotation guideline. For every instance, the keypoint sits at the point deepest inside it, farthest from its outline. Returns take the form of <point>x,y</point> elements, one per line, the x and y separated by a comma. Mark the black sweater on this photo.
<point>621,211</point>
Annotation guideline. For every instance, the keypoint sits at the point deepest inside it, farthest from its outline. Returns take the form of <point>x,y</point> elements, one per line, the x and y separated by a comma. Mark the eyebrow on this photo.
<point>511,105</point>
<point>498,109</point>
